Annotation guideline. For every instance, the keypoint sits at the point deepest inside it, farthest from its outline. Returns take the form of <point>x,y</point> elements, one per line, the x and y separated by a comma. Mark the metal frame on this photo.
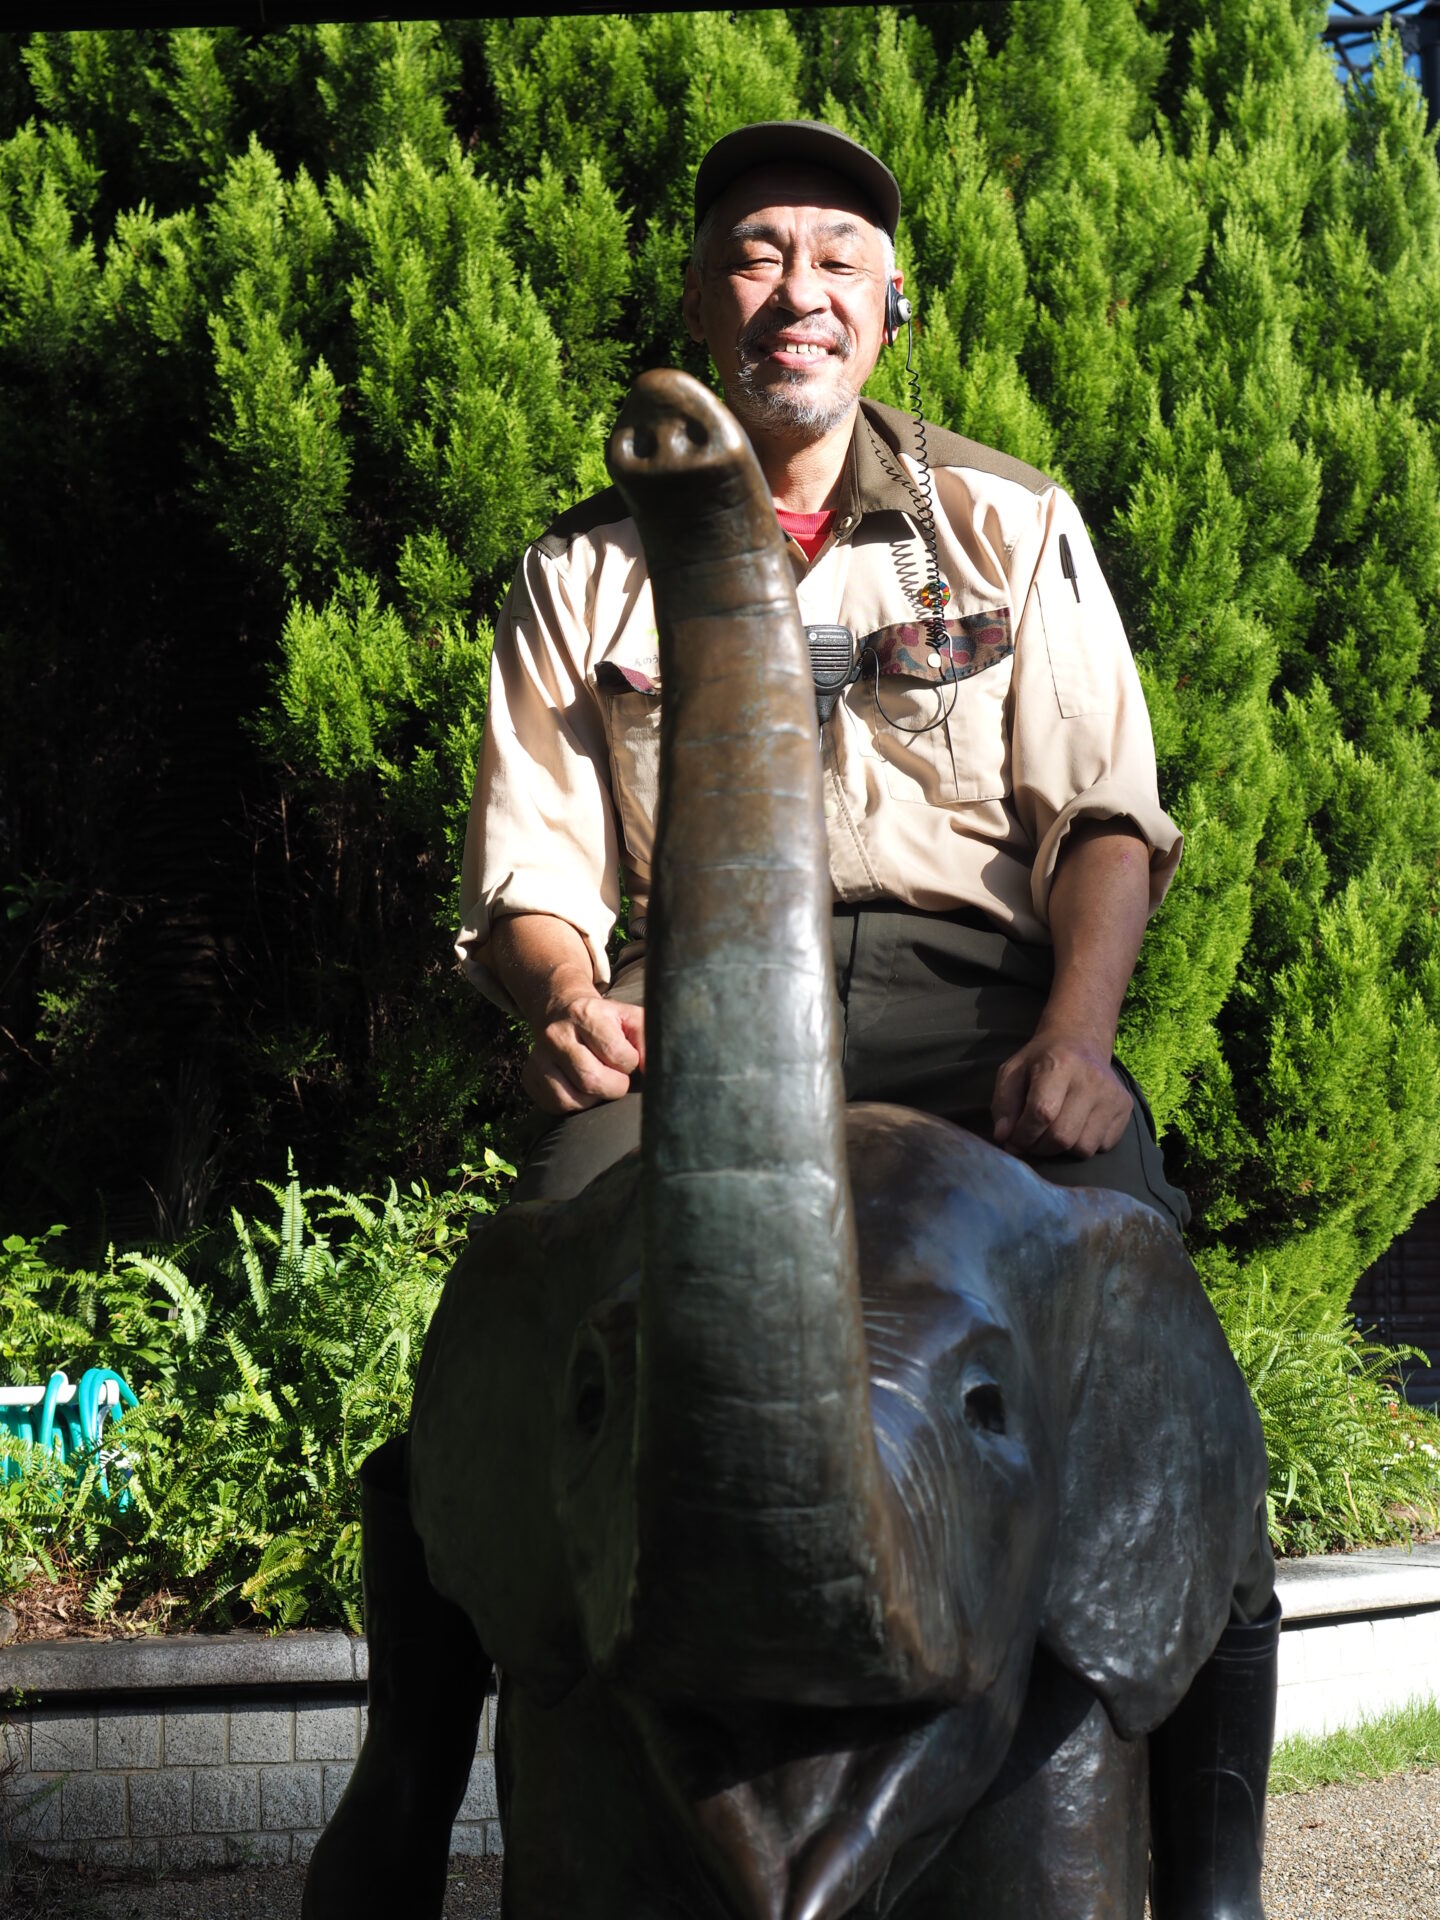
<point>1351,29</point>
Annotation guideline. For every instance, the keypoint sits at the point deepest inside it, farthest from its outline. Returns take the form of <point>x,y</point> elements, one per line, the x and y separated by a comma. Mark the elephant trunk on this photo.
<point>764,1548</point>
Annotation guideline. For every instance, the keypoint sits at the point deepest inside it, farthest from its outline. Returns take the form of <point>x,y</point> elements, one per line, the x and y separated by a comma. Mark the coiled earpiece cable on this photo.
<point>924,495</point>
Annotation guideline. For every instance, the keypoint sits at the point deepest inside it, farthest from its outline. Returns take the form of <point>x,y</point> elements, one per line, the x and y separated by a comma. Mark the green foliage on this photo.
<point>262,1388</point>
<point>1407,1740</point>
<point>1350,1462</point>
<point>301,338</point>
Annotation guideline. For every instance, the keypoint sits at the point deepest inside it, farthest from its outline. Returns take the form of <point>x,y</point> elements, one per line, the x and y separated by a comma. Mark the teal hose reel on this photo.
<point>67,1421</point>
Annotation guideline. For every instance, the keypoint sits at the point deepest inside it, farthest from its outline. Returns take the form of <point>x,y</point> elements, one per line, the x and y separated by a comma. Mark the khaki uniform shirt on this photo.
<point>951,775</point>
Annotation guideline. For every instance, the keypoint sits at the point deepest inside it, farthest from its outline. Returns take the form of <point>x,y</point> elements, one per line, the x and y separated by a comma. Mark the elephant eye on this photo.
<point>985,1407</point>
<point>587,1391</point>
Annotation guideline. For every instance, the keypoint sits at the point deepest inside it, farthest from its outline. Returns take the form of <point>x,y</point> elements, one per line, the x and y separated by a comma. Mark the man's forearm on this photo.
<point>585,1047</point>
<point>541,962</point>
<point>1099,903</point>
<point>1059,1093</point>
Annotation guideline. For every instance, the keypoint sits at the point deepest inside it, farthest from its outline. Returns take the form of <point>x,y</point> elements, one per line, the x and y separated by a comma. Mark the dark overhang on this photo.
<point>262,16</point>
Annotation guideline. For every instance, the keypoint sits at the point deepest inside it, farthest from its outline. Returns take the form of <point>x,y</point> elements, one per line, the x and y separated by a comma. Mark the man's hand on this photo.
<point>585,1053</point>
<point>584,1047</point>
<point>1059,1093</point>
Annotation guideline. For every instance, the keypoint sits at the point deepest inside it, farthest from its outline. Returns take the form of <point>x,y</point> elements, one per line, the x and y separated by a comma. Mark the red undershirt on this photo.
<point>809,531</point>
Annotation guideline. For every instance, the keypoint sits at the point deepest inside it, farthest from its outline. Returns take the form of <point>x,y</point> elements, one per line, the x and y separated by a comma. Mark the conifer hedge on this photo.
<point>302,337</point>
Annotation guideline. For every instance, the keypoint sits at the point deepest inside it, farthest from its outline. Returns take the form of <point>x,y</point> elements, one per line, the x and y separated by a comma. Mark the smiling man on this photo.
<point>789,296</point>
<point>996,844</point>
<point>996,838</point>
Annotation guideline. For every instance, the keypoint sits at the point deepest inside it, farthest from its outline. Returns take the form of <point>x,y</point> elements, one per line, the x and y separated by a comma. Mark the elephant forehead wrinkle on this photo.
<point>914,1397</point>
<point>899,1347</point>
<point>922,1458</point>
<point>906,1381</point>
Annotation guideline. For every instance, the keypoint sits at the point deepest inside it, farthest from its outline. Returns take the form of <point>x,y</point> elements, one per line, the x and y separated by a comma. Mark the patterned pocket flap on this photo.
<point>973,642</point>
<point>611,677</point>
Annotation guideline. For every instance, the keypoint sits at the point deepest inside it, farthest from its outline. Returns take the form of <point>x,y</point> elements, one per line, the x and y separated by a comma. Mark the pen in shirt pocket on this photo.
<point>1067,565</point>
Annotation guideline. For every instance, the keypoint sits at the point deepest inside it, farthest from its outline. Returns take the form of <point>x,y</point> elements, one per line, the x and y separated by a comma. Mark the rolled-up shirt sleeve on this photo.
<point>1081,745</point>
<point>541,836</point>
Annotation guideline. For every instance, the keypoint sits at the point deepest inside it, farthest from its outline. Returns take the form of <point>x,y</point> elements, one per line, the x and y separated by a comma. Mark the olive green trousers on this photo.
<point>932,1005</point>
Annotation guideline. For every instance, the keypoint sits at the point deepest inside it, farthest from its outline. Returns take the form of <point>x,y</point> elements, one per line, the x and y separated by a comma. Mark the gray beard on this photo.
<point>787,407</point>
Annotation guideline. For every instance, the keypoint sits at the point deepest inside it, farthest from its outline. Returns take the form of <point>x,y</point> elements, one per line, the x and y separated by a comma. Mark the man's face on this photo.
<point>791,299</point>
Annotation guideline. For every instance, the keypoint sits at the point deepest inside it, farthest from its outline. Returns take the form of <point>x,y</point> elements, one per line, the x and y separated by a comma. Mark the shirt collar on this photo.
<point>872,480</point>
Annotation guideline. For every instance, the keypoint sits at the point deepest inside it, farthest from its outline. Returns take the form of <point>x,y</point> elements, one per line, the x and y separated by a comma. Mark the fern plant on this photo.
<point>255,1412</point>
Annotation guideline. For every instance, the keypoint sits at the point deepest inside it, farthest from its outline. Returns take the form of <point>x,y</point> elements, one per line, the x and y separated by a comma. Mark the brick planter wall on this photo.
<point>198,1752</point>
<point>194,1752</point>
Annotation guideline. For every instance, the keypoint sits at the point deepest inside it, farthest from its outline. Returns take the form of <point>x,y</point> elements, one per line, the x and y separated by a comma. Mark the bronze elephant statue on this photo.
<point>842,1504</point>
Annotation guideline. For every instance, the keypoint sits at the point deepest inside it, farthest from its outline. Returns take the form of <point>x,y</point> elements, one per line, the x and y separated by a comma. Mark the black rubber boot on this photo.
<point>385,1850</point>
<point>1209,1765</point>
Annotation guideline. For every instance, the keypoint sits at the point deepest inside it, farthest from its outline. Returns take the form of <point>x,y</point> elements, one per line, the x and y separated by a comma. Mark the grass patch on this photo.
<point>1398,1742</point>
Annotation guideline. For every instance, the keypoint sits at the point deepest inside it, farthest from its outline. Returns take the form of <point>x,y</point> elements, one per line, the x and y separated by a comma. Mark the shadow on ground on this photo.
<point>1336,1853</point>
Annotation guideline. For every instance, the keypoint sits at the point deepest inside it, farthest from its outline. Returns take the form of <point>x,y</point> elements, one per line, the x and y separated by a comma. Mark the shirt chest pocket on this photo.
<point>935,712</point>
<point>631,705</point>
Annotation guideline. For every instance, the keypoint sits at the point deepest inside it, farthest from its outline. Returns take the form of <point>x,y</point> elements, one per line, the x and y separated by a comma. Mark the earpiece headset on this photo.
<point>897,313</point>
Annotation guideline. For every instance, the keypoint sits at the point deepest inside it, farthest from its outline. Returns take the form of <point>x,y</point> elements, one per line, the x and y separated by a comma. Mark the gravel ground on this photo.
<point>1368,1852</point>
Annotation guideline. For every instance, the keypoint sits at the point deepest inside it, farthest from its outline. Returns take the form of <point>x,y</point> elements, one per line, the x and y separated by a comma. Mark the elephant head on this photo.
<point>798,1433</point>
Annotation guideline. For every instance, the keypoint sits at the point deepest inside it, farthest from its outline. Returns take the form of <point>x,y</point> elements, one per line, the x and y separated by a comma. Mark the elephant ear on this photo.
<point>480,1442</point>
<point>1163,1476</point>
<point>489,1417</point>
